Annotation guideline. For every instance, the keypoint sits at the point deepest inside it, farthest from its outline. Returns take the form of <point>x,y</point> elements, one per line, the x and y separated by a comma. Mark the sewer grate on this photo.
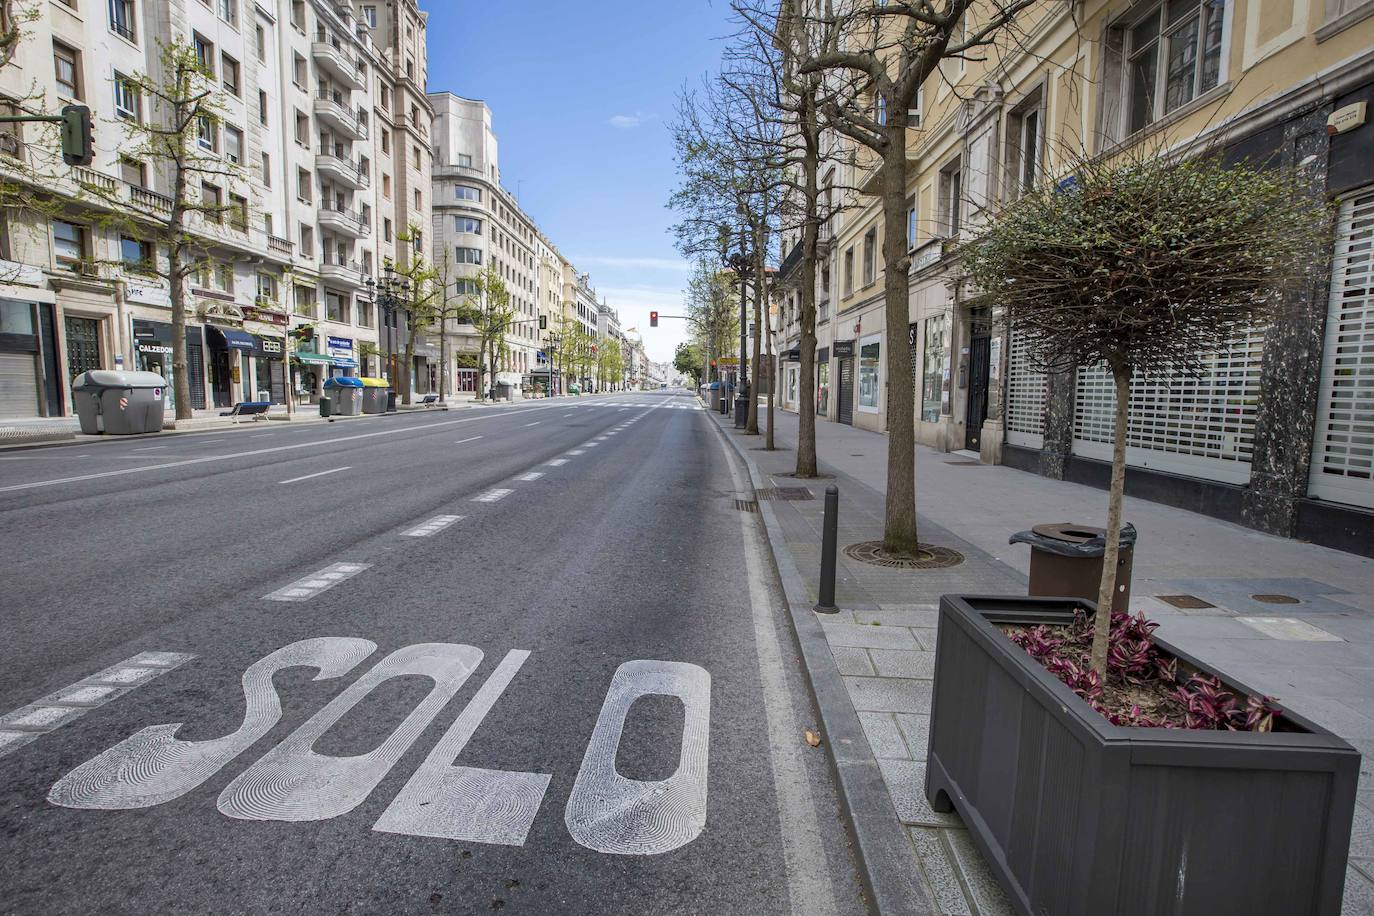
<point>965,464</point>
<point>794,494</point>
<point>746,505</point>
<point>1276,599</point>
<point>1187,602</point>
<point>930,556</point>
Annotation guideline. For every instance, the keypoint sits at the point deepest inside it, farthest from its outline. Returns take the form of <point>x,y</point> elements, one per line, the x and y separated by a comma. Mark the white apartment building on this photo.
<point>478,223</point>
<point>282,302</point>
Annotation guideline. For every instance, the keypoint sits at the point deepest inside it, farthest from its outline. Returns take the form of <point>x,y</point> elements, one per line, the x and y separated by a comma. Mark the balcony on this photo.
<point>280,245</point>
<point>343,273</point>
<point>341,169</point>
<point>332,55</point>
<point>342,221</point>
<point>332,109</point>
<point>149,201</point>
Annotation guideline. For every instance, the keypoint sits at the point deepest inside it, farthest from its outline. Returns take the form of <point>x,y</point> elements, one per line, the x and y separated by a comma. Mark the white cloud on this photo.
<point>625,122</point>
<point>629,263</point>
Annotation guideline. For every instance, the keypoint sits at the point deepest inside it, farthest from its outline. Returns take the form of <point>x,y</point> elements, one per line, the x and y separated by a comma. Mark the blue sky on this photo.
<point>581,95</point>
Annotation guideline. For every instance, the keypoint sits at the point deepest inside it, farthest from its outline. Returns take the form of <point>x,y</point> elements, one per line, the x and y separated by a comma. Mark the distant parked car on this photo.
<point>574,388</point>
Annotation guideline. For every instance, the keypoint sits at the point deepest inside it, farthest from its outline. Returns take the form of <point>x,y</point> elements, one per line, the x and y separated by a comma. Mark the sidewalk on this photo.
<point>1315,651</point>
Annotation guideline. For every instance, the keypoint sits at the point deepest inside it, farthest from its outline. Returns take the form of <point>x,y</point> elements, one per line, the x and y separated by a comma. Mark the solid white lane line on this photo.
<point>308,587</point>
<point>557,462</point>
<point>469,439</point>
<point>318,474</point>
<point>433,526</point>
<point>265,451</point>
<point>492,496</point>
<point>532,475</point>
<point>29,722</point>
<point>151,448</point>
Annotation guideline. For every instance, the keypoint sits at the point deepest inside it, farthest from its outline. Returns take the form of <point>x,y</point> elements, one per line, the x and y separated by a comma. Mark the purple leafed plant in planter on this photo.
<point>1143,687</point>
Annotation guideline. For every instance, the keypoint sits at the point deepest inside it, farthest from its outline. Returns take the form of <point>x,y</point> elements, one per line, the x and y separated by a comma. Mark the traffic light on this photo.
<point>543,322</point>
<point>653,319</point>
<point>75,129</point>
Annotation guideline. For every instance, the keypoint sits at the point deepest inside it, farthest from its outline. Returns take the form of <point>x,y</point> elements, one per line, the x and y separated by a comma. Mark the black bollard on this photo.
<point>829,538</point>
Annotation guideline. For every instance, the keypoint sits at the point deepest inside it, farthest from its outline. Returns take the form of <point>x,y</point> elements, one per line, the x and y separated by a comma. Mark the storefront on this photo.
<point>269,369</point>
<point>29,384</point>
<point>230,350</point>
<point>308,372</point>
<point>844,377</point>
<point>153,353</point>
<point>870,378</point>
<point>823,382</point>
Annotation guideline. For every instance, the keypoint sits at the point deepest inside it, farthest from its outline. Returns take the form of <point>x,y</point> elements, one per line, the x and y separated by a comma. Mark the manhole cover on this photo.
<point>1275,599</point>
<point>929,556</point>
<point>789,493</point>
<point>1188,602</point>
<point>746,505</point>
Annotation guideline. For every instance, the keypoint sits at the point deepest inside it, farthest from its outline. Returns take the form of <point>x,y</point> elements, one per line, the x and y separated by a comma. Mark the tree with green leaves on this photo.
<point>1147,265</point>
<point>687,359</point>
<point>491,315</point>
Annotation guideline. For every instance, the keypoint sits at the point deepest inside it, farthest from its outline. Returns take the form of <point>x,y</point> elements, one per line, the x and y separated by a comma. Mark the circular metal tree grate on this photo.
<point>929,556</point>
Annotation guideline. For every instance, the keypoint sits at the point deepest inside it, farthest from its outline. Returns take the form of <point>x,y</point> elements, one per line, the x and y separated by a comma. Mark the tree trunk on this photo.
<point>181,379</point>
<point>443,355</point>
<point>806,410</point>
<point>1121,375</point>
<point>751,423</point>
<point>899,530</point>
<point>482,367</point>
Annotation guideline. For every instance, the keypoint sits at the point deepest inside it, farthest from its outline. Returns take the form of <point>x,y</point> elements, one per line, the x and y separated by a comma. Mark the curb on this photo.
<point>887,862</point>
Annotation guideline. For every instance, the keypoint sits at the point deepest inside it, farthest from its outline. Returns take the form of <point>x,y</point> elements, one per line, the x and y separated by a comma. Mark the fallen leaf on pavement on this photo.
<point>812,738</point>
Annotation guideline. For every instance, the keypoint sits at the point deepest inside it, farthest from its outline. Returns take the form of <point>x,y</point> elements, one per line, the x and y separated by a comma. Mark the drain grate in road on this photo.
<point>1186,602</point>
<point>746,505</point>
<point>928,556</point>
<point>1276,599</point>
<point>793,494</point>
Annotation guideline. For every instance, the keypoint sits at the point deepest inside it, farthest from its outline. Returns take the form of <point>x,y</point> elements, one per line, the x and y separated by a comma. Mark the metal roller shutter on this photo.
<point>18,385</point>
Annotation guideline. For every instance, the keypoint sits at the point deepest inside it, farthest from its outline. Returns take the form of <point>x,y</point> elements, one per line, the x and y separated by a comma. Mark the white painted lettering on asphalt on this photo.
<point>293,783</point>
<point>609,813</point>
<point>318,474</point>
<point>152,767</point>
<point>467,803</point>
<point>310,586</point>
<point>30,722</point>
<point>492,496</point>
<point>433,526</point>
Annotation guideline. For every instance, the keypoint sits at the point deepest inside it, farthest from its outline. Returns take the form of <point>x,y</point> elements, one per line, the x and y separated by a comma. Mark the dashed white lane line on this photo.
<point>29,722</point>
<point>578,451</point>
<point>492,496</point>
<point>317,474</point>
<point>531,476</point>
<point>468,439</point>
<point>433,526</point>
<point>569,414</point>
<point>151,448</point>
<point>308,587</point>
<point>557,462</point>
<point>535,423</point>
<point>589,445</point>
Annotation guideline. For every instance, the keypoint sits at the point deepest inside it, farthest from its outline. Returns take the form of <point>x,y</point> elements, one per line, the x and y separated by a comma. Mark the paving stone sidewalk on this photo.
<point>1315,653</point>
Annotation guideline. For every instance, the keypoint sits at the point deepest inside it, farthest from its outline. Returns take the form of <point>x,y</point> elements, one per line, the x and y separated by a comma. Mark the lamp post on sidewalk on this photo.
<point>388,296</point>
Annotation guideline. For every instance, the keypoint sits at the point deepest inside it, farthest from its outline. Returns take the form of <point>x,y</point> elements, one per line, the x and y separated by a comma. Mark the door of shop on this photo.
<point>844,392</point>
<point>83,345</point>
<point>978,371</point>
<point>220,376</point>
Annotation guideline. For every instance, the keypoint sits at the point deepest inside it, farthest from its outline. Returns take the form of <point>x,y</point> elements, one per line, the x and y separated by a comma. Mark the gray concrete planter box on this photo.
<point>1080,817</point>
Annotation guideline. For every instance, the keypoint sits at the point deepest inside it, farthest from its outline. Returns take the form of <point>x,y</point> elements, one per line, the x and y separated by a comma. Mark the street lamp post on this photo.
<point>388,296</point>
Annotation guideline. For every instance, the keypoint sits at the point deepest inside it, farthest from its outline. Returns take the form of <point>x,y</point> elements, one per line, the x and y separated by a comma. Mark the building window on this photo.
<point>262,107</point>
<point>298,70</point>
<point>303,185</point>
<point>1024,145</point>
<point>260,41</point>
<point>386,186</point>
<point>1173,55</point>
<point>128,101</point>
<point>468,255</point>
<point>364,313</point>
<point>238,212</point>
<point>951,198</point>
<point>419,202</point>
<point>212,202</point>
<point>229,11</point>
<point>136,255</point>
<point>336,307</point>
<point>386,140</point>
<point>205,54</point>
<point>266,170</point>
<point>133,172</point>
<point>823,385</point>
<point>910,223</point>
<point>233,144</point>
<point>464,160</point>
<point>869,353</point>
<point>933,392</point>
<point>205,133</point>
<point>302,129</point>
<point>307,241</point>
<point>370,16</point>
<point>305,301</point>
<point>467,224</point>
<point>298,14</point>
<point>229,73</point>
<point>67,70</point>
<point>386,229</point>
<point>870,255</point>
<point>463,192</point>
<point>68,244</point>
<point>849,271</point>
<point>122,18</point>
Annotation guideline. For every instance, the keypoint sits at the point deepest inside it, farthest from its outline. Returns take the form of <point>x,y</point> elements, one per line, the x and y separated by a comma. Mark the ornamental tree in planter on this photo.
<point>1147,264</point>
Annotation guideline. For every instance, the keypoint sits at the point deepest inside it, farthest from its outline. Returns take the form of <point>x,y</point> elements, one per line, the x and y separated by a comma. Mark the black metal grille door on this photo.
<point>846,391</point>
<point>979,348</point>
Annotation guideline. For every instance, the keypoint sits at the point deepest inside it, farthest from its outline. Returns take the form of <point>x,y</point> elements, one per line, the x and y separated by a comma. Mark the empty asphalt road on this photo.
<point>526,658</point>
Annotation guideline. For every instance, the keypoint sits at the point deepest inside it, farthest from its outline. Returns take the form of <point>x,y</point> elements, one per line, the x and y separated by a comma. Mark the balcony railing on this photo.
<point>353,170</point>
<point>280,245</point>
<point>145,199</point>
<point>333,104</point>
<point>90,178</point>
<point>351,218</point>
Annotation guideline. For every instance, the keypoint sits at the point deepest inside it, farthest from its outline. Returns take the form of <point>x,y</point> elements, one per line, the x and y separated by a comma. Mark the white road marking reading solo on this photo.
<point>310,586</point>
<point>609,813</point>
<point>492,496</point>
<point>531,476</point>
<point>153,766</point>
<point>28,723</point>
<point>293,783</point>
<point>318,474</point>
<point>467,803</point>
<point>433,526</point>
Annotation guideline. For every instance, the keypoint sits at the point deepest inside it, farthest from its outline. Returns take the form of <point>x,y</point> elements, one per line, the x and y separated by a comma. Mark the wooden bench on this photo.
<point>255,409</point>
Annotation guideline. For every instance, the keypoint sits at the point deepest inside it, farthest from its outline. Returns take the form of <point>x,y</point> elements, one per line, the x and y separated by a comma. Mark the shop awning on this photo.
<point>317,359</point>
<point>231,338</point>
<point>792,356</point>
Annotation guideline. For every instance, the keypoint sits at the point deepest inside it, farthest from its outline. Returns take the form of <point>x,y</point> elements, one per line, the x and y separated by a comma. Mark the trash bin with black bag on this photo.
<point>1066,561</point>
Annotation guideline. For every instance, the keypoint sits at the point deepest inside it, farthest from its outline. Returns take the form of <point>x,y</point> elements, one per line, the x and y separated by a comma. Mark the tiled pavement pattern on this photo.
<point>1317,655</point>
